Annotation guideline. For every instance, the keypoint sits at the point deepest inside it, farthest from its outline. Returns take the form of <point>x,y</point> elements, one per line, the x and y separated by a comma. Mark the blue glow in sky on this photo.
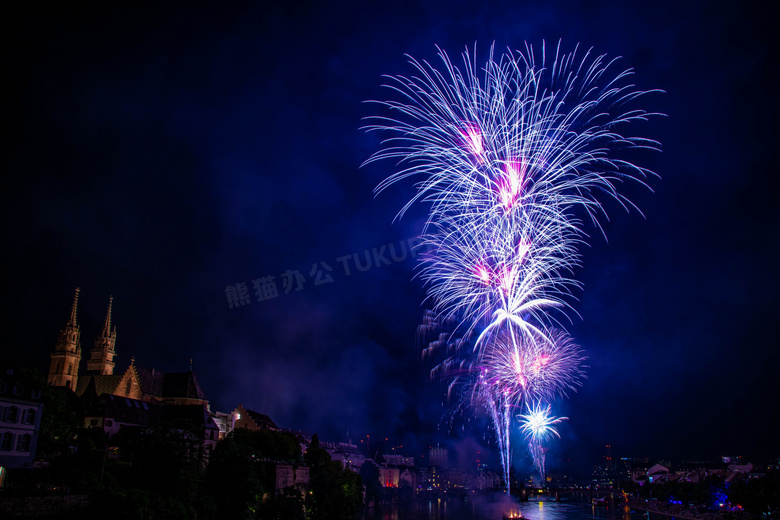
<point>162,153</point>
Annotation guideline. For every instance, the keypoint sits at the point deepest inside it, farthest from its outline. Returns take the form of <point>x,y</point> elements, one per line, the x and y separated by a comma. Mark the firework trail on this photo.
<point>506,156</point>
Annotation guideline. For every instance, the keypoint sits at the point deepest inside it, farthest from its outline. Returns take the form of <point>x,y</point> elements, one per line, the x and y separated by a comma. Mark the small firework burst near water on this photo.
<point>506,156</point>
<point>539,426</point>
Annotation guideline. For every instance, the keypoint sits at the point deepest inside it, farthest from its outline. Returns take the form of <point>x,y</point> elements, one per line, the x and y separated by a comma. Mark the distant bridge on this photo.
<point>533,494</point>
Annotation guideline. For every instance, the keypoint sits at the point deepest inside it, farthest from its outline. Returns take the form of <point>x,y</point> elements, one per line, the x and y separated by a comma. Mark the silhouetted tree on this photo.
<point>241,475</point>
<point>61,418</point>
<point>369,474</point>
<point>159,474</point>
<point>234,477</point>
<point>334,492</point>
<point>288,505</point>
<point>759,496</point>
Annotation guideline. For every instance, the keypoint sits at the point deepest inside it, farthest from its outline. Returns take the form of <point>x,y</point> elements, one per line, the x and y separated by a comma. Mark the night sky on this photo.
<point>160,153</point>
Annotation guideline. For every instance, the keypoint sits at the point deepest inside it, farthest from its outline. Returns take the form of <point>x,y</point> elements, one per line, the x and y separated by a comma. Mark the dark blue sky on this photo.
<point>160,153</point>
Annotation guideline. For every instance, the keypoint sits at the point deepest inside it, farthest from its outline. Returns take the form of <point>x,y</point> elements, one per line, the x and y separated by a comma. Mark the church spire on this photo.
<point>107,325</point>
<point>101,357</point>
<point>72,321</point>
<point>66,356</point>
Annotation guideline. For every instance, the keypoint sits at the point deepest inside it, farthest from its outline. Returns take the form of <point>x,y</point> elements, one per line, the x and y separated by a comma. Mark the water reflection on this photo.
<point>499,507</point>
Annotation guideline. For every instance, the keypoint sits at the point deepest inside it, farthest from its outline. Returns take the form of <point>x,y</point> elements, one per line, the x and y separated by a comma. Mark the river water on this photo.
<point>498,506</point>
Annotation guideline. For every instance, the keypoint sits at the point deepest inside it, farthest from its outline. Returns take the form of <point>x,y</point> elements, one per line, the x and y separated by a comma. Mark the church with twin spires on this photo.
<point>149,385</point>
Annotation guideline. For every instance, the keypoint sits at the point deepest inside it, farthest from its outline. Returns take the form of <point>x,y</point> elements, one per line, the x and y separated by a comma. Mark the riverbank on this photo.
<point>686,513</point>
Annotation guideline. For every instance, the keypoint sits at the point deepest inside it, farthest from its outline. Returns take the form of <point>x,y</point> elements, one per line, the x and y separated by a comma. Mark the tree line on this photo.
<point>164,472</point>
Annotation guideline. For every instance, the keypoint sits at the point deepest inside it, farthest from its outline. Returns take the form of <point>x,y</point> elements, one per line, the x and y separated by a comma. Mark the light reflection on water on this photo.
<point>497,507</point>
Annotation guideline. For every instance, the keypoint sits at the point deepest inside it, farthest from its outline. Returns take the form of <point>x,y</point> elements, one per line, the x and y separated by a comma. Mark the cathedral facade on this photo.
<point>142,384</point>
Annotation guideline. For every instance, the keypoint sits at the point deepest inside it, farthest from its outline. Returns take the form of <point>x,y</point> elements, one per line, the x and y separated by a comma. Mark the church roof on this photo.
<point>181,384</point>
<point>151,381</point>
<point>262,421</point>
<point>103,384</point>
<point>169,384</point>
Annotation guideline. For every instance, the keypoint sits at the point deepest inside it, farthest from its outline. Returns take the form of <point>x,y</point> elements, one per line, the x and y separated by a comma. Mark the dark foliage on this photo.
<point>369,474</point>
<point>757,496</point>
<point>334,493</point>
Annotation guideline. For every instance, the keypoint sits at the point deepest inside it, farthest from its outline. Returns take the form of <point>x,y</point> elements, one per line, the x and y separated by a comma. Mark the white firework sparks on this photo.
<point>506,156</point>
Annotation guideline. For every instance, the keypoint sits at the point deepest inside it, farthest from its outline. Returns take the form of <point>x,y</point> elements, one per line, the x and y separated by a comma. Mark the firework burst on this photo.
<point>539,426</point>
<point>526,369</point>
<point>506,156</point>
<point>516,135</point>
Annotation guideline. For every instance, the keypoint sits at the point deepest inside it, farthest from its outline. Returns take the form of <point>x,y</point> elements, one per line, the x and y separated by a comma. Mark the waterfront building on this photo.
<point>410,477</point>
<point>389,476</point>
<point>20,423</point>
<point>439,456</point>
<point>398,460</point>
